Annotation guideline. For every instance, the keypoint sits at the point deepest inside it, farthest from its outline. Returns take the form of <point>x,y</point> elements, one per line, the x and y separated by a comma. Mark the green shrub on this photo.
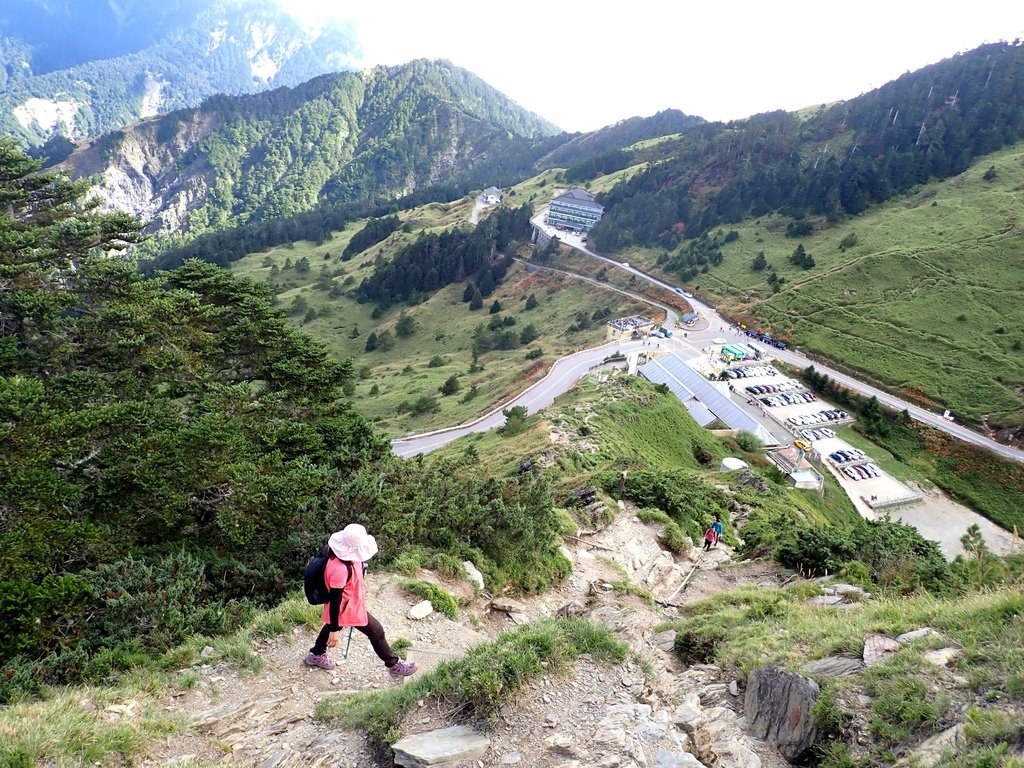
<point>159,603</point>
<point>409,562</point>
<point>567,525</point>
<point>506,525</point>
<point>684,495</point>
<point>651,515</point>
<point>447,566</point>
<point>894,554</point>
<point>443,602</point>
<point>749,442</point>
<point>676,539</point>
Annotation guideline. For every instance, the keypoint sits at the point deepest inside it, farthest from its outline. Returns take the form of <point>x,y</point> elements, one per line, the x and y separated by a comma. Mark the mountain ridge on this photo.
<point>232,46</point>
<point>336,138</point>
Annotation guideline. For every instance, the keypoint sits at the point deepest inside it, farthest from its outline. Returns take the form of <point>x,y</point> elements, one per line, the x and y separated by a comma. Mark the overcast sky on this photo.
<point>583,65</point>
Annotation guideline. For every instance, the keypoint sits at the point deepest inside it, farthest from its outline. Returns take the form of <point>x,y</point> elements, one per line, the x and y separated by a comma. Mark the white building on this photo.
<point>492,196</point>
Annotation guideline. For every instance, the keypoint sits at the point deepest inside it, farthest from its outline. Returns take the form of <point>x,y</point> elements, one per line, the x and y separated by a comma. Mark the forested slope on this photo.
<point>335,139</point>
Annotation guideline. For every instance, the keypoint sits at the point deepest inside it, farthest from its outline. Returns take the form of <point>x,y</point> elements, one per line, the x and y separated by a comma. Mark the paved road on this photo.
<point>562,376</point>
<point>567,371</point>
<point>672,316</point>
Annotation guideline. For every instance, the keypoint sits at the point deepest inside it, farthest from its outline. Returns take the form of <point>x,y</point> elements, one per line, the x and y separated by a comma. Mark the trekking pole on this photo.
<point>348,643</point>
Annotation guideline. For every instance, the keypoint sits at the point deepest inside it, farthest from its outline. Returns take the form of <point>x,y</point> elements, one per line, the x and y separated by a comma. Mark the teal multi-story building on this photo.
<point>575,209</point>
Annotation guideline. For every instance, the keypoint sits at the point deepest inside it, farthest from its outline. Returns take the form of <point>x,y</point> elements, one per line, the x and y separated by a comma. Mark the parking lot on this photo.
<point>866,493</point>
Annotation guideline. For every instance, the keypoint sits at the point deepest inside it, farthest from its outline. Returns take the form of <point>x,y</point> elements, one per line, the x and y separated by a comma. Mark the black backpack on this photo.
<point>313,577</point>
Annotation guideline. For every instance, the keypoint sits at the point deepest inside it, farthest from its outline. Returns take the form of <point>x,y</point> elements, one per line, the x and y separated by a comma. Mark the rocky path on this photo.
<point>647,712</point>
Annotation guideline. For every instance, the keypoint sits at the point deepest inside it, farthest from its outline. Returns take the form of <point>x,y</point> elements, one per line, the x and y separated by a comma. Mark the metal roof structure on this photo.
<point>578,197</point>
<point>687,384</point>
<point>699,412</point>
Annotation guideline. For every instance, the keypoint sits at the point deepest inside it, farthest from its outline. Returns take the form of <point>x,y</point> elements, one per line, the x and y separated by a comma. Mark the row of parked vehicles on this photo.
<point>783,386</point>
<point>816,418</point>
<point>788,399</point>
<point>847,455</point>
<point>749,371</point>
<point>818,434</point>
<point>766,339</point>
<point>861,471</point>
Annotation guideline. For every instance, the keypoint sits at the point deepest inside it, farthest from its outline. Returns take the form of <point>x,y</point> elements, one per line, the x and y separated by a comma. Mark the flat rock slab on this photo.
<point>916,634</point>
<point>441,748</point>
<point>878,648</point>
<point>665,641</point>
<point>825,601</point>
<point>834,666</point>
<point>667,759</point>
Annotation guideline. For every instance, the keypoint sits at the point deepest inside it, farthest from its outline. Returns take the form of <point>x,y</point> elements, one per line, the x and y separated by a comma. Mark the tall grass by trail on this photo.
<point>488,676</point>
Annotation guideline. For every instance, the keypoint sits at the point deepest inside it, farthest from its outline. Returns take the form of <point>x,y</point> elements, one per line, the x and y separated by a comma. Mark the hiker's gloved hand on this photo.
<point>332,641</point>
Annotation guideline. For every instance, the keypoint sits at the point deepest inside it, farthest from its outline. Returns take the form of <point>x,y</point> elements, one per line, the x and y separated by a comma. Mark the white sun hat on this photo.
<point>353,543</point>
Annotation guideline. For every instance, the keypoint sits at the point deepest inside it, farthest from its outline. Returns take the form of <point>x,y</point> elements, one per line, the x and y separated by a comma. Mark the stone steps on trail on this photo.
<point>662,573</point>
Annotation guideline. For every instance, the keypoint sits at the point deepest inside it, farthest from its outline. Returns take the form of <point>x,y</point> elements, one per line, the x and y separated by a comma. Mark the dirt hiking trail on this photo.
<point>625,715</point>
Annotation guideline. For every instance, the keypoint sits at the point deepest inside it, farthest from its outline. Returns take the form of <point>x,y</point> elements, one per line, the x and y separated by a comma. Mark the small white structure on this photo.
<point>731,463</point>
<point>492,196</point>
<point>804,480</point>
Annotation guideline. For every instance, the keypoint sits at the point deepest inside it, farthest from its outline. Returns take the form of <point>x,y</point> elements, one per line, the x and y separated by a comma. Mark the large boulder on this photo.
<point>778,709</point>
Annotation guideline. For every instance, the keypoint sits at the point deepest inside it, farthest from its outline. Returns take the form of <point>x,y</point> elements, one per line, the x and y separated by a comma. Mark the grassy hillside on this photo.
<point>925,300</point>
<point>875,716</point>
<point>605,425</point>
<point>392,383</point>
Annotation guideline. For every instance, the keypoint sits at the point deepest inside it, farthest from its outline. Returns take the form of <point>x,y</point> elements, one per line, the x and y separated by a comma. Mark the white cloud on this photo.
<point>584,65</point>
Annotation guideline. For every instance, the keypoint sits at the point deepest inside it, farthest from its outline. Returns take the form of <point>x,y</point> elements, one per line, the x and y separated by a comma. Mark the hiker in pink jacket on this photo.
<point>343,576</point>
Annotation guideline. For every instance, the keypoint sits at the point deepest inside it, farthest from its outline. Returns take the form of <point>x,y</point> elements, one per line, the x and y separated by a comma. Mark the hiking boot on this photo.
<point>402,668</point>
<point>323,661</point>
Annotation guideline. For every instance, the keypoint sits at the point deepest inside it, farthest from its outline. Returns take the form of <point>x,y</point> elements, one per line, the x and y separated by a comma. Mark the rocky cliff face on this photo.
<point>146,176</point>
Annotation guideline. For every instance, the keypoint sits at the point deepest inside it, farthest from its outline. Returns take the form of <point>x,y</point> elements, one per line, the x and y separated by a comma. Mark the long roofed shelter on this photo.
<point>699,395</point>
<point>575,209</point>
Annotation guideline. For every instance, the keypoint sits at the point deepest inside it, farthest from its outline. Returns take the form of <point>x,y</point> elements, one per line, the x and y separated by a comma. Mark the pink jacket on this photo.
<point>353,598</point>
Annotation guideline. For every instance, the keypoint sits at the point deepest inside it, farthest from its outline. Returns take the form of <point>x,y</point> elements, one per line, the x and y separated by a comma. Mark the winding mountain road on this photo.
<point>568,370</point>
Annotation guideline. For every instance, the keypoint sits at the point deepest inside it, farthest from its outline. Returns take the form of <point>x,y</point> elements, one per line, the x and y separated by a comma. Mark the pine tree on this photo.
<point>477,302</point>
<point>528,334</point>
<point>450,386</point>
<point>371,341</point>
<point>495,307</point>
<point>531,302</point>
<point>406,325</point>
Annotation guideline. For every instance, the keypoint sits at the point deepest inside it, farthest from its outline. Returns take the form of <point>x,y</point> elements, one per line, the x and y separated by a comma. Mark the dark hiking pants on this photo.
<point>372,629</point>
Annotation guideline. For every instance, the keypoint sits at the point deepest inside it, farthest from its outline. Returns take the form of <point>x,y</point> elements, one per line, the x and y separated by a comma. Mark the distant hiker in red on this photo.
<point>709,538</point>
<point>347,551</point>
<point>714,533</point>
